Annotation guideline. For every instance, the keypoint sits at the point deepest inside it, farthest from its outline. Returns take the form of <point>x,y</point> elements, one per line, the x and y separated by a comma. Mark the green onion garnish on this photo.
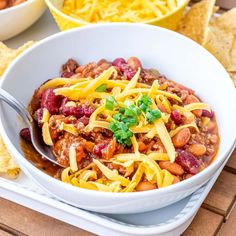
<point>153,115</point>
<point>101,88</point>
<point>110,103</point>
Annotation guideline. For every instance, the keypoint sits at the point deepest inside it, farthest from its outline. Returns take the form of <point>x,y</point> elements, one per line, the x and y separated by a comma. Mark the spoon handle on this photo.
<point>16,105</point>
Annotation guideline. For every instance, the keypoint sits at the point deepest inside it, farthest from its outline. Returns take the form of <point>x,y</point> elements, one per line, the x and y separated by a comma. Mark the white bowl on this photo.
<point>176,56</point>
<point>14,20</point>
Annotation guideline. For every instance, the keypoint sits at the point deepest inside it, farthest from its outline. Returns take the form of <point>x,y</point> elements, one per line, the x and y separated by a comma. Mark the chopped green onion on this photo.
<point>153,115</point>
<point>122,110</point>
<point>132,121</point>
<point>110,103</point>
<point>144,102</point>
<point>101,88</point>
<point>121,132</point>
<point>117,116</point>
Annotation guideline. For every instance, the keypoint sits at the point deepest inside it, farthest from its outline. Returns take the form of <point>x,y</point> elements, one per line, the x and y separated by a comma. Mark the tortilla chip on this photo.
<point>195,23</point>
<point>232,66</point>
<point>219,42</point>
<point>226,21</point>
<point>7,164</point>
<point>7,55</point>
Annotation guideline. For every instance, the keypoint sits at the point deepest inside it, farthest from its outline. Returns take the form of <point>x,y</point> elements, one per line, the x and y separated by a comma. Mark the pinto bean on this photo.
<point>162,108</point>
<point>214,139</point>
<point>176,179</point>
<point>145,185</point>
<point>192,99</point>
<point>142,146</point>
<point>188,118</point>
<point>187,176</point>
<point>181,138</point>
<point>3,4</point>
<point>173,168</point>
<point>211,126</point>
<point>197,149</point>
<point>134,63</point>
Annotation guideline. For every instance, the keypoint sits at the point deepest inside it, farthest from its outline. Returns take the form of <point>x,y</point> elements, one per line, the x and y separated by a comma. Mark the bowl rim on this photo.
<point>125,195</point>
<point>184,3</point>
<point>21,5</point>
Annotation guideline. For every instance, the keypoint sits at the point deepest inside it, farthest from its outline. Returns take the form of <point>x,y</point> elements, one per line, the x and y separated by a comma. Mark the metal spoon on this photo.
<point>35,134</point>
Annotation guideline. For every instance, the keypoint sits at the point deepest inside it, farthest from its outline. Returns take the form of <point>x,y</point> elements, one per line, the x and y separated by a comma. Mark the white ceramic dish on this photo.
<point>174,55</point>
<point>16,19</point>
<point>168,221</point>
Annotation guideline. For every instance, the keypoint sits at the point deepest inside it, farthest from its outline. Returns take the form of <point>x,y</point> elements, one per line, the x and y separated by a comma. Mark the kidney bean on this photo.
<point>189,162</point>
<point>76,111</point>
<point>134,63</point>
<point>38,115</point>
<point>51,101</point>
<point>181,138</point>
<point>192,99</point>
<point>209,114</point>
<point>124,67</point>
<point>119,62</point>
<point>88,110</point>
<point>176,117</point>
<point>25,134</point>
<point>84,120</point>
<point>173,168</point>
<point>145,185</point>
<point>168,126</point>
<point>129,73</point>
<point>197,149</point>
<point>67,74</point>
<point>97,150</point>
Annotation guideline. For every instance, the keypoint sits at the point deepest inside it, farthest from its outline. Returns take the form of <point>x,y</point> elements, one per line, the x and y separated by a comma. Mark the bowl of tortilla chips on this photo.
<point>215,32</point>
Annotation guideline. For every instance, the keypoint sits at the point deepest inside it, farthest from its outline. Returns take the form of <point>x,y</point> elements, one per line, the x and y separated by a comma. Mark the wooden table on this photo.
<point>217,214</point>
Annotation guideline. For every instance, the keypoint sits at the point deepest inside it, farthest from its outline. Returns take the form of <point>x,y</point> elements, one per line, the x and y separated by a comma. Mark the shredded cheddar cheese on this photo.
<point>46,115</point>
<point>166,140</point>
<point>69,128</point>
<point>46,134</point>
<point>72,158</point>
<point>141,102</point>
<point>118,10</point>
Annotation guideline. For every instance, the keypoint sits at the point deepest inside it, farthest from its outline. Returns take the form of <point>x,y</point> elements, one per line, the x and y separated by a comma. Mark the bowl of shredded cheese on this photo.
<point>74,13</point>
